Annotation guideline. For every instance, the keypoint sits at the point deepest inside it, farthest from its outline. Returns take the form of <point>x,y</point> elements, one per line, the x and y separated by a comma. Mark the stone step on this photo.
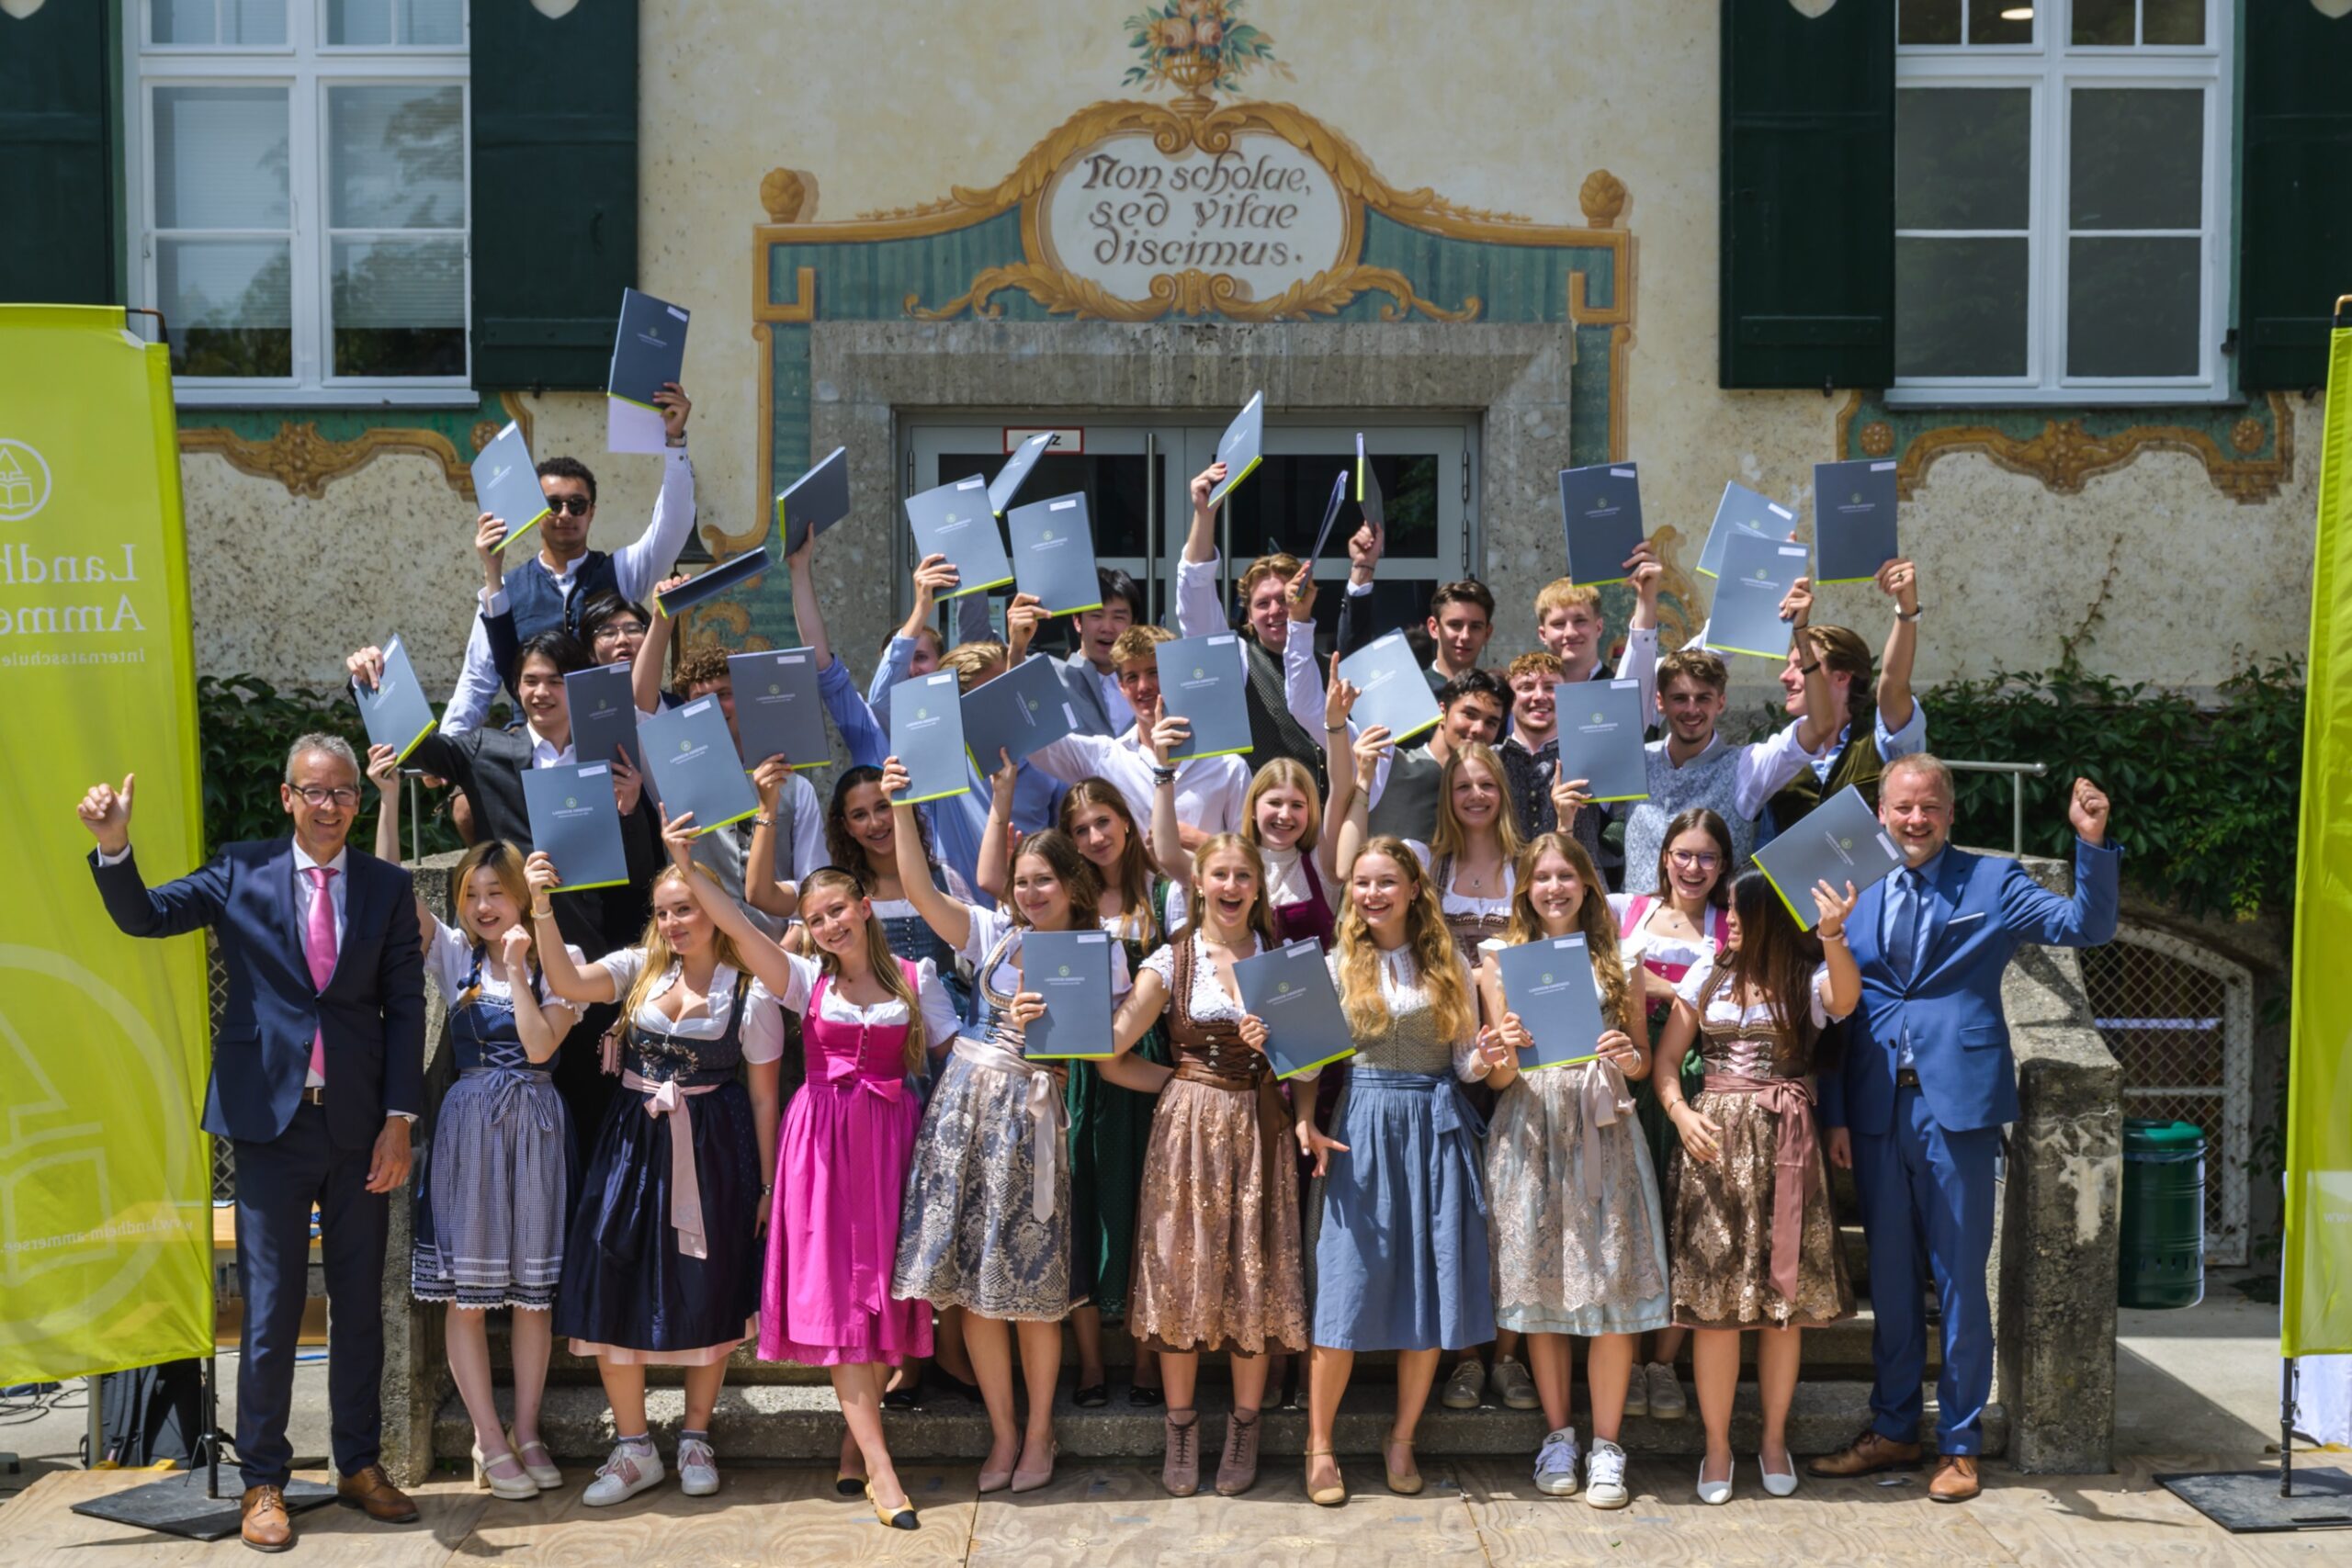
<point>781,1423</point>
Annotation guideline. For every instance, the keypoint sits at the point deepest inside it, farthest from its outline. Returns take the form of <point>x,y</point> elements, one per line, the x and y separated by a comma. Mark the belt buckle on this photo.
<point>316,1096</point>
<point>1906,1077</point>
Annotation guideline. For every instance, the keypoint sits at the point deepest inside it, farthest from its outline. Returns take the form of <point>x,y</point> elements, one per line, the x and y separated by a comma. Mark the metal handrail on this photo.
<point>2019,772</point>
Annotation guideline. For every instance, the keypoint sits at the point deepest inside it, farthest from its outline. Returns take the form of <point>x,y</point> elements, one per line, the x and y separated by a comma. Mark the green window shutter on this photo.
<point>57,156</point>
<point>554,189</point>
<point>2295,212</point>
<point>1807,226</point>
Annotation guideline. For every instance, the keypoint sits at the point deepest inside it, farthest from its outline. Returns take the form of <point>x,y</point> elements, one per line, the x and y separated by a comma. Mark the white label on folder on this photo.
<point>1880,467</point>
<point>1624,685</point>
<point>595,771</point>
<point>1063,505</point>
<point>697,707</point>
<point>1792,550</point>
<point>1622,474</point>
<point>675,311</point>
<point>1779,510</point>
<point>1085,940</point>
<point>793,659</point>
<point>1219,642</point>
<point>972,483</point>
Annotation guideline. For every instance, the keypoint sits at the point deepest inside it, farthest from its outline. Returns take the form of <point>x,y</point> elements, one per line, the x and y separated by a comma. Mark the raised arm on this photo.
<point>760,888</point>
<point>1200,608</point>
<point>764,960</point>
<point>1366,546</point>
<point>189,904</point>
<point>497,610</point>
<point>2086,919</point>
<point>1899,580</point>
<point>565,978</point>
<point>807,612</point>
<point>541,1028</point>
<point>995,869</point>
<point>951,919</point>
<point>1639,659</point>
<point>645,679</point>
<point>1347,822</point>
<point>638,563</point>
<point>862,731</point>
<point>1845,980</point>
<point>384,771</point>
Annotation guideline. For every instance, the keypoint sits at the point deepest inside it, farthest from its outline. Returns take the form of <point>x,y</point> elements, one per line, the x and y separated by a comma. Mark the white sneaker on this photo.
<point>1604,1475</point>
<point>1463,1389</point>
<point>629,1470</point>
<point>1666,1400</point>
<point>697,1467</point>
<point>1556,1464</point>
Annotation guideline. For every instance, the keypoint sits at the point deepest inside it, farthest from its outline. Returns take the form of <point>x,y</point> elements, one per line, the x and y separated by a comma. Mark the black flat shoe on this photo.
<point>909,1398</point>
<point>1093,1396</point>
<point>848,1485</point>
<point>1144,1398</point>
<point>970,1391</point>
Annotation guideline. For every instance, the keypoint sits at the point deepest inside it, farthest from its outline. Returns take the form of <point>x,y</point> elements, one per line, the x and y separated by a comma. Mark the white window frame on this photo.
<point>307,67</point>
<point>2050,69</point>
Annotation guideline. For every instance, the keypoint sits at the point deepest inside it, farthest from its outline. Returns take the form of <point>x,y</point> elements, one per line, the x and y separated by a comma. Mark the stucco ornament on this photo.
<point>20,10</point>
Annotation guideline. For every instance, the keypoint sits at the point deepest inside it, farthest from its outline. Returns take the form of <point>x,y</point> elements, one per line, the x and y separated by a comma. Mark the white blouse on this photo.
<point>449,958</point>
<point>989,926</point>
<point>1754,1014</point>
<point>1639,946</point>
<point>1209,1003</point>
<point>762,1035</point>
<point>1455,903</point>
<point>939,1022</point>
<point>1286,883</point>
<point>1400,988</point>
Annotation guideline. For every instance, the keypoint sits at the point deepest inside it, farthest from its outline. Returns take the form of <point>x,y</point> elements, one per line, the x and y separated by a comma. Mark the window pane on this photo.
<point>2001,21</point>
<point>399,307</point>
<point>1928,21</point>
<point>1960,307</point>
<point>2173,22</point>
<point>221,157</point>
<point>252,21</point>
<point>433,22</point>
<point>227,304</point>
<point>2138,159</point>
<point>182,21</point>
<point>2132,307</point>
<point>359,22</point>
<point>2104,24</point>
<point>1963,158</point>
<point>396,157</point>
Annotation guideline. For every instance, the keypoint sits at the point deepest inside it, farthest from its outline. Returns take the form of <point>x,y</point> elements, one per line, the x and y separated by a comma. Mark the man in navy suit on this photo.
<point>1927,1082</point>
<point>318,1071</point>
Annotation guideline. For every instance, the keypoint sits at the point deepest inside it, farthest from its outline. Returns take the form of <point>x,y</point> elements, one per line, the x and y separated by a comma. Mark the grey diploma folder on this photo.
<point>1741,510</point>
<point>1853,518</point>
<point>1330,515</point>
<point>396,711</point>
<point>814,502</point>
<point>1071,970</point>
<point>777,710</point>
<point>691,763</point>
<point>1289,990</point>
<point>1548,983</point>
<point>1838,841</point>
<point>1015,472</point>
<point>1395,691</point>
<point>603,715</point>
<point>1368,496</point>
<point>506,484</point>
<point>1241,448</point>
<point>648,353</point>
<point>927,737</point>
<point>576,823</point>
<point>955,520</point>
<point>732,572</point>
<point>1602,509</point>
<point>1600,724</point>
<point>1025,707</point>
<point>1746,616</point>
<point>1053,554</point>
<point>1203,679</point>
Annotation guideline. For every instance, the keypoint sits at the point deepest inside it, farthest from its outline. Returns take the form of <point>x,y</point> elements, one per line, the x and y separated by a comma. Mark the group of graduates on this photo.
<point>623,1157</point>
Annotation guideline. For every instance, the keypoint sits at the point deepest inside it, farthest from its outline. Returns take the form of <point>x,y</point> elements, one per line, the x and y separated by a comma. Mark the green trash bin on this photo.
<point>2163,1215</point>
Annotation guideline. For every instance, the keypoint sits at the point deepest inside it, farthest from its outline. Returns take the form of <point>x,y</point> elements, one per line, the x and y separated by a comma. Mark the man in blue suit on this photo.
<point>1927,1082</point>
<point>318,1071</point>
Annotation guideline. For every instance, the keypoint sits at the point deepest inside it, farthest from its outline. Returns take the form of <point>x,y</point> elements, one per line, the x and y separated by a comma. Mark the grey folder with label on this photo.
<point>648,353</point>
<point>1015,472</point>
<point>603,715</point>
<point>1025,707</point>
<point>927,737</point>
<point>1053,554</point>
<point>396,711</point>
<point>1601,508</point>
<point>732,572</point>
<point>1741,510</point>
<point>1745,615</point>
<point>576,823</point>
<point>777,710</point>
<point>1203,679</point>
<point>506,484</point>
<point>1330,515</point>
<point>1548,983</point>
<point>1838,841</point>
<point>1241,448</point>
<point>1071,970</point>
<point>1601,738</point>
<point>1289,990</point>
<point>956,521</point>
<point>1395,691</point>
<point>1853,518</point>
<point>814,502</point>
<point>693,766</point>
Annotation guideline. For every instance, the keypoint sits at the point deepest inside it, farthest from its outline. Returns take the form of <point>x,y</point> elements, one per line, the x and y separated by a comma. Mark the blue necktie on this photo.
<point>1903,905</point>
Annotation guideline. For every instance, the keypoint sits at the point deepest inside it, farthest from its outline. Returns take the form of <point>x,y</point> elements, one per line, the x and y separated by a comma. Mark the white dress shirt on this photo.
<point>1209,790</point>
<point>544,752</point>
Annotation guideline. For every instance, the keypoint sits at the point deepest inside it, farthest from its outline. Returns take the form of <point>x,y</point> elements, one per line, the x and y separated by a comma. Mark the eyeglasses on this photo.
<point>342,795</point>
<point>1695,859</point>
<point>577,505</point>
<point>611,629</point>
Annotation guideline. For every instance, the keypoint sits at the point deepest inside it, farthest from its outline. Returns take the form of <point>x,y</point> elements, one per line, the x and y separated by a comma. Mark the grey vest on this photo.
<point>1407,805</point>
<point>1712,782</point>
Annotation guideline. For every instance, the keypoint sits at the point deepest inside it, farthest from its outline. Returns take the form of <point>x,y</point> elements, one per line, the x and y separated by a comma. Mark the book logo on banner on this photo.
<point>24,481</point>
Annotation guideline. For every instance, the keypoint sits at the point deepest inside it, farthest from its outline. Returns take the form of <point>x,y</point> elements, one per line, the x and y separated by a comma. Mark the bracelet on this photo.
<point>1164,775</point>
<point>1334,729</point>
<point>1911,617</point>
<point>542,914</point>
<point>762,821</point>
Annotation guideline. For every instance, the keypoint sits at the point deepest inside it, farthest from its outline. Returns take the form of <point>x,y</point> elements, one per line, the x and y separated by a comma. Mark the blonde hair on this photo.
<point>1426,938</point>
<point>969,659</point>
<point>1284,771</point>
<point>1566,594</point>
<point>504,862</point>
<point>1137,644</point>
<point>1281,564</point>
<point>1132,874</point>
<point>1449,839</point>
<point>1593,918</point>
<point>659,955</point>
<point>1540,663</point>
<point>1260,918</point>
<point>878,957</point>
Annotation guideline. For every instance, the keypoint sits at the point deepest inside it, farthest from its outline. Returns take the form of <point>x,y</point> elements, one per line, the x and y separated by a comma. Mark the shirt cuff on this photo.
<point>407,1116</point>
<point>115,859</point>
<point>492,603</point>
<point>1358,590</point>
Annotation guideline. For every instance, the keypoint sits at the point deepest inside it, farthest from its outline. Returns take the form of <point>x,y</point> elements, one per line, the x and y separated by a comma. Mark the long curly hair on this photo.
<point>1132,875</point>
<point>1437,960</point>
<point>1451,838</point>
<point>878,956</point>
<point>1593,919</point>
<point>848,852</point>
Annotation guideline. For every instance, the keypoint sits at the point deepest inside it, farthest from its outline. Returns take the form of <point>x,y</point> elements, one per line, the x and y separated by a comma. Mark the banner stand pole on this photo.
<point>2287,1429</point>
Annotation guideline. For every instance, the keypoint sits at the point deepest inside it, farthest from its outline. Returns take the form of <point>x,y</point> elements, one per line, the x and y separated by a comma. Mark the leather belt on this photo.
<point>316,1096</point>
<point>1906,1077</point>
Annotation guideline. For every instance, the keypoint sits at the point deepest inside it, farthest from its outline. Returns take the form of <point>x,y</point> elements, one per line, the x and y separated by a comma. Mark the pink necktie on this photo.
<point>318,946</point>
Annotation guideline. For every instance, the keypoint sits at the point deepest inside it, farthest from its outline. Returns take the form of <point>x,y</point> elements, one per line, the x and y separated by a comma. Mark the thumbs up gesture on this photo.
<point>105,812</point>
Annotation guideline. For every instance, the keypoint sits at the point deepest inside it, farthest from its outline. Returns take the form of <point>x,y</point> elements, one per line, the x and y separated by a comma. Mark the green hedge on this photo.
<point>245,724</point>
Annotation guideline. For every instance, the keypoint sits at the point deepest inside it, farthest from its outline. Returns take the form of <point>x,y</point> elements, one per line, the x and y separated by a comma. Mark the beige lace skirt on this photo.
<point>1217,1258</point>
<point>1722,1250</point>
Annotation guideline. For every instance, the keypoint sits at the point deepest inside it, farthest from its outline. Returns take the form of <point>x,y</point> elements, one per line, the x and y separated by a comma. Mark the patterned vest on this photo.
<point>1710,781</point>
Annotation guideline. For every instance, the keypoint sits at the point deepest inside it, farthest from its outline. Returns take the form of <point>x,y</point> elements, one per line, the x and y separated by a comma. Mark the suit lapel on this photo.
<point>1862,927</point>
<point>286,902</point>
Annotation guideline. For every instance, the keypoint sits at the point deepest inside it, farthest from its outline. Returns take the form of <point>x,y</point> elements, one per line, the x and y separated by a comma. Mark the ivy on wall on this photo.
<point>244,726</point>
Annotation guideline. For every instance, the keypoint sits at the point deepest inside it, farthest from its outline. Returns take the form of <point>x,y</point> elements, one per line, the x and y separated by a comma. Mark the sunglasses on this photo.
<point>578,505</point>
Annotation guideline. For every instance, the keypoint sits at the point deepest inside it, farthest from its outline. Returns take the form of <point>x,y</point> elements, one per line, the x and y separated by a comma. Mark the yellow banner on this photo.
<point>106,1180</point>
<point>2316,1315</point>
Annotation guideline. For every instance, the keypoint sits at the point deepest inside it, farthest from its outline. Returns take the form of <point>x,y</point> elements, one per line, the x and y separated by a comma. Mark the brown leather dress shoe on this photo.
<point>1867,1455</point>
<point>1955,1479</point>
<point>372,1492</point>
<point>262,1520</point>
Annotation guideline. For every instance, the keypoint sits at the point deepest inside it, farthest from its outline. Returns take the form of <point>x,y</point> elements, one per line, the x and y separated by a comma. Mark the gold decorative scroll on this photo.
<point>1192,293</point>
<point>305,462</point>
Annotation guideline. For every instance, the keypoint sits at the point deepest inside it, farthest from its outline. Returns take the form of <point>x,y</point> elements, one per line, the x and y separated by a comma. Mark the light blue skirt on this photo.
<point>1399,1246</point>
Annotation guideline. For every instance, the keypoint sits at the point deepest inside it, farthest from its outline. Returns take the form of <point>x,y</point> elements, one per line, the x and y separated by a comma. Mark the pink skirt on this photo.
<point>842,1158</point>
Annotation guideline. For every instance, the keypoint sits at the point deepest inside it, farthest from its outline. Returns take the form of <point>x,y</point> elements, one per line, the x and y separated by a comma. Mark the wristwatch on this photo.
<point>1911,617</point>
